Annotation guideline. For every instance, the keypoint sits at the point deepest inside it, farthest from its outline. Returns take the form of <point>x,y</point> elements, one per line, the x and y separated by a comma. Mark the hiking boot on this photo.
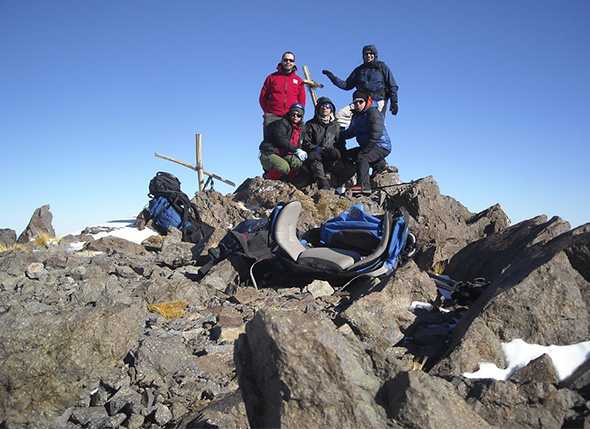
<point>358,189</point>
<point>323,184</point>
<point>366,190</point>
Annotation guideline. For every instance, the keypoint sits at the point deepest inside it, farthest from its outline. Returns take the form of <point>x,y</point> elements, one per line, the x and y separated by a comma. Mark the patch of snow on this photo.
<point>128,233</point>
<point>419,305</point>
<point>77,245</point>
<point>566,359</point>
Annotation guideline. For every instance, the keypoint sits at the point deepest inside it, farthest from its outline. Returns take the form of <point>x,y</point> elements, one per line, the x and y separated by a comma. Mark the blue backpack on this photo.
<point>163,214</point>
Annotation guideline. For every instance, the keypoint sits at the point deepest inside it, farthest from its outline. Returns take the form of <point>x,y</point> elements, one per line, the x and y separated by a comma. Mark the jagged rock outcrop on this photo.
<point>489,257</point>
<point>40,223</point>
<point>443,225</point>
<point>538,297</point>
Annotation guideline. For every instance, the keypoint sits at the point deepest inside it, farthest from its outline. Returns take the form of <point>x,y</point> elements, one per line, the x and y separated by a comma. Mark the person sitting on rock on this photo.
<point>281,154</point>
<point>320,141</point>
<point>368,126</point>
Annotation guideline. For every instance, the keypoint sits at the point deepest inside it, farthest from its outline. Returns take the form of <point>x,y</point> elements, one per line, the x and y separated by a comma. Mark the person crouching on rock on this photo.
<point>281,154</point>
<point>368,126</point>
<point>320,141</point>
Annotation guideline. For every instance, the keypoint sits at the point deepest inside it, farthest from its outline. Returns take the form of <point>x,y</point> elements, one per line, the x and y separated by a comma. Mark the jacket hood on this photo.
<point>324,100</point>
<point>371,48</point>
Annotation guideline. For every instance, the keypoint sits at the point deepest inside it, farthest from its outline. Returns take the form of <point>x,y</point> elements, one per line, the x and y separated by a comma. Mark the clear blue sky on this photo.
<point>493,96</point>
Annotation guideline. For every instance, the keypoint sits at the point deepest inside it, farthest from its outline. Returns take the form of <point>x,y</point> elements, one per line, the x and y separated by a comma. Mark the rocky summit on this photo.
<point>106,333</point>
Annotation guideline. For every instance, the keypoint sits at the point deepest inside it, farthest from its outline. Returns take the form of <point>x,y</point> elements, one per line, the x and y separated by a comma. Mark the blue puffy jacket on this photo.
<point>374,77</point>
<point>368,127</point>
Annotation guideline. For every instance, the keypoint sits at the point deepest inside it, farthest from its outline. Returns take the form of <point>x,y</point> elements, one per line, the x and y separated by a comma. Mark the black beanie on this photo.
<point>360,94</point>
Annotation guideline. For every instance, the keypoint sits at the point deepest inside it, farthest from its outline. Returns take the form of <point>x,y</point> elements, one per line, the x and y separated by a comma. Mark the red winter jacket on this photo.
<point>280,91</point>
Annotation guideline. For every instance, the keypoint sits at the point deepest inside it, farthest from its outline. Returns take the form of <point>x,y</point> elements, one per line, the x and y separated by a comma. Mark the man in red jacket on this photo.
<point>281,89</point>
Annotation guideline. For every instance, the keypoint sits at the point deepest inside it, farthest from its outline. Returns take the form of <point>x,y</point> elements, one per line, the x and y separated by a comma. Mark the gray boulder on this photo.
<point>299,371</point>
<point>111,245</point>
<point>47,360</point>
<point>530,405</point>
<point>540,370</point>
<point>159,358</point>
<point>7,237</point>
<point>227,411</point>
<point>40,223</point>
<point>418,400</point>
<point>381,319</point>
<point>220,212</point>
<point>221,277</point>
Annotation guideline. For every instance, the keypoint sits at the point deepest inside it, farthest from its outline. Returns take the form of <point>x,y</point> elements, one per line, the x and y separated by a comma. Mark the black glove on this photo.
<point>328,73</point>
<point>393,108</point>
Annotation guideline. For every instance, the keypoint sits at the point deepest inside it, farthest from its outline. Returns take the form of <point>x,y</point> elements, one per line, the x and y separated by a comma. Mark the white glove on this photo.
<point>301,154</point>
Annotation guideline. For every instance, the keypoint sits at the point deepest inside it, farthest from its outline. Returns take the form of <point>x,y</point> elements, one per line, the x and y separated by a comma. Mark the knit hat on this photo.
<point>370,48</point>
<point>297,108</point>
<point>322,101</point>
<point>360,94</point>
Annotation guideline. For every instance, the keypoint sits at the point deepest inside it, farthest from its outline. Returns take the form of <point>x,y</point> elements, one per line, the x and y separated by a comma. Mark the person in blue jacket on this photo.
<point>368,126</point>
<point>372,76</point>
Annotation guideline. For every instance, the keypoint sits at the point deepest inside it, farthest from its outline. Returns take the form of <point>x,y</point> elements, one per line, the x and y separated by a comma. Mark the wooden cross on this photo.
<point>311,85</point>
<point>198,167</point>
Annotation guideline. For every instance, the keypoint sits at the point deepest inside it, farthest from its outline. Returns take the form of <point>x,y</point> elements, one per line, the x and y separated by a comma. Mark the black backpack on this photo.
<point>193,229</point>
<point>250,243</point>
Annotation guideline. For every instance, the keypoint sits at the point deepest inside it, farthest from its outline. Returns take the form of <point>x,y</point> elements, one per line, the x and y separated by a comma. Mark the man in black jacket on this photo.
<point>373,77</point>
<point>281,155</point>
<point>320,141</point>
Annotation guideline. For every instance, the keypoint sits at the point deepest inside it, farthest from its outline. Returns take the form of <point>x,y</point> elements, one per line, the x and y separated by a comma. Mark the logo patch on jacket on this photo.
<point>295,81</point>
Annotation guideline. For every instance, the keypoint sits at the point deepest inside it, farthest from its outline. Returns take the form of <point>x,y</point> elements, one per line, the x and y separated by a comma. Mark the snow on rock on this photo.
<point>566,359</point>
<point>128,233</point>
<point>419,305</point>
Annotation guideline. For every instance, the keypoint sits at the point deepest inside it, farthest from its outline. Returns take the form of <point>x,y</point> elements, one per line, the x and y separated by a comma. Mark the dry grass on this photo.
<point>169,310</point>
<point>439,267</point>
<point>17,247</point>
<point>45,240</point>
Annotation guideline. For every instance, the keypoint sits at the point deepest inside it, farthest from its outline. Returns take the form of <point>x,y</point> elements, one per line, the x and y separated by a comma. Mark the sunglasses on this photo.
<point>296,115</point>
<point>288,60</point>
<point>358,101</point>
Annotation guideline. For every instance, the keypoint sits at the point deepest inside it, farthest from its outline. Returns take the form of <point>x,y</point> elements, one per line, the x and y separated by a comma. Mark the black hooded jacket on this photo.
<point>320,135</point>
<point>374,77</point>
<point>277,137</point>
